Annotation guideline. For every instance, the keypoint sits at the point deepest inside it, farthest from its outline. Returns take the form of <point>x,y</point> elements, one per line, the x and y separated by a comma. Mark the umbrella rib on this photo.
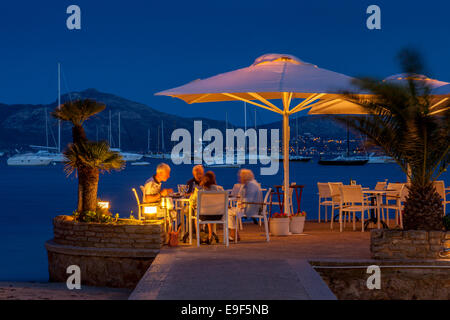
<point>438,111</point>
<point>263,100</point>
<point>305,102</point>
<point>436,104</point>
<point>199,98</point>
<point>251,102</point>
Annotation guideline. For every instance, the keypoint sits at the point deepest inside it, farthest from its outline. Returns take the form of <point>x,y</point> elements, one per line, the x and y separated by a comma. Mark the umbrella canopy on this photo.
<point>402,79</point>
<point>272,76</point>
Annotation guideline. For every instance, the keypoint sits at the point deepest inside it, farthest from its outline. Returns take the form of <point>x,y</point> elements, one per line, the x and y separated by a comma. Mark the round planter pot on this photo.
<point>108,255</point>
<point>279,226</point>
<point>297,224</point>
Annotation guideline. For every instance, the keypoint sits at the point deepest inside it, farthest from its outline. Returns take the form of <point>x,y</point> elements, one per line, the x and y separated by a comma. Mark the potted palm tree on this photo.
<point>92,239</point>
<point>405,122</point>
<point>77,112</point>
<point>90,159</point>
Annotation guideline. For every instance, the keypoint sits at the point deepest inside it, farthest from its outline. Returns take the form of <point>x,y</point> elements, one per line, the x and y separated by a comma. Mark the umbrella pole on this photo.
<point>286,161</point>
<point>286,134</point>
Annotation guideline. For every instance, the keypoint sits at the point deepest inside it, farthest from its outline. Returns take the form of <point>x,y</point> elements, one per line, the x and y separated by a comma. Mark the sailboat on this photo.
<point>45,154</point>
<point>159,154</point>
<point>127,156</point>
<point>345,160</point>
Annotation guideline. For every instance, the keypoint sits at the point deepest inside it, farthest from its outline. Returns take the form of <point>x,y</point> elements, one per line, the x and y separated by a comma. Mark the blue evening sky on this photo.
<point>136,48</point>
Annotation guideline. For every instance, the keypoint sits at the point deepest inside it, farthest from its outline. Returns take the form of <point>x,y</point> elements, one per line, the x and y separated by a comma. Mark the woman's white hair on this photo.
<point>162,167</point>
<point>246,175</point>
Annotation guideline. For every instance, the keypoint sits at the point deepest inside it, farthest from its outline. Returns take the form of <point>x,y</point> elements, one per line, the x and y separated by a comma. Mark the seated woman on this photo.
<point>250,203</point>
<point>208,183</point>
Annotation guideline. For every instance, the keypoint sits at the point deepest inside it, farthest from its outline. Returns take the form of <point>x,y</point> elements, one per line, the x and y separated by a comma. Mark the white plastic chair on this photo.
<point>440,188</point>
<point>335,198</point>
<point>397,206</point>
<point>262,216</point>
<point>324,198</point>
<point>213,203</point>
<point>142,205</point>
<point>352,200</point>
<point>381,185</point>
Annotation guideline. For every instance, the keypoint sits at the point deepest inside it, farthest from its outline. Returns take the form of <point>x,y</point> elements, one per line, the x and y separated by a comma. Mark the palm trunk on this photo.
<point>79,137</point>
<point>90,187</point>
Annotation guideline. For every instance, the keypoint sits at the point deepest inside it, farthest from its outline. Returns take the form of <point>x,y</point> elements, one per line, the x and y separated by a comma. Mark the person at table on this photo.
<point>250,203</point>
<point>208,183</point>
<point>152,188</point>
<point>197,175</point>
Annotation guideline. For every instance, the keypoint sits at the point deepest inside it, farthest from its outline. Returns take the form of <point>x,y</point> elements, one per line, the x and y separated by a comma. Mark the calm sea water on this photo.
<point>31,197</point>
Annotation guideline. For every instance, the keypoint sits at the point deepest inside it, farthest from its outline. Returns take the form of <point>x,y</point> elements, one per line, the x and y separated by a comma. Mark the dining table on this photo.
<point>378,196</point>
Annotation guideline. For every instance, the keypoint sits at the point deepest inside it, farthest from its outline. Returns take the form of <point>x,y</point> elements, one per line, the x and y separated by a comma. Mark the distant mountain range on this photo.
<point>22,125</point>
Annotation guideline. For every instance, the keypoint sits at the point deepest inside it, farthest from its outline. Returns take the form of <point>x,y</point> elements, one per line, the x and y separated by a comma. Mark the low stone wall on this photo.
<point>112,255</point>
<point>400,280</point>
<point>411,244</point>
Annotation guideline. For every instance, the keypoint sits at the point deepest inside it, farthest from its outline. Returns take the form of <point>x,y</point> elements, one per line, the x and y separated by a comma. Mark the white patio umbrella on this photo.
<point>272,77</point>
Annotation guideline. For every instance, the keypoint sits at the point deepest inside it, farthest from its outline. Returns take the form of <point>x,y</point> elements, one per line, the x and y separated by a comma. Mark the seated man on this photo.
<point>250,203</point>
<point>197,173</point>
<point>152,188</point>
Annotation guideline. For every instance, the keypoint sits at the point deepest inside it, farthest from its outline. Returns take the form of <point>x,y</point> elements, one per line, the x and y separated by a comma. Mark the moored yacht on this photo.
<point>28,159</point>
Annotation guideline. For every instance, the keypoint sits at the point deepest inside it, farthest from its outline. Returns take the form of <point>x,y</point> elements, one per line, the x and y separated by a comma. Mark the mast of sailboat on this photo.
<point>162,136</point>
<point>226,120</point>
<point>245,116</point>
<point>109,129</point>
<point>148,140</point>
<point>46,128</point>
<point>119,130</point>
<point>348,142</point>
<point>59,106</point>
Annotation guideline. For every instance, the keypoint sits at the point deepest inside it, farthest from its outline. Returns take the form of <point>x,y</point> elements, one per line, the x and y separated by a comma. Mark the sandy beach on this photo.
<point>58,291</point>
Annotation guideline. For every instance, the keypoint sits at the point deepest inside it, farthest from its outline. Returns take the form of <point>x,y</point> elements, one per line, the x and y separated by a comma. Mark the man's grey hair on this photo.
<point>197,167</point>
<point>162,167</point>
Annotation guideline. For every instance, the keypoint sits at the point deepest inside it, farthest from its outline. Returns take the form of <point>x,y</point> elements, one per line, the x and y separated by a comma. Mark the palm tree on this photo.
<point>90,159</point>
<point>404,122</point>
<point>77,112</point>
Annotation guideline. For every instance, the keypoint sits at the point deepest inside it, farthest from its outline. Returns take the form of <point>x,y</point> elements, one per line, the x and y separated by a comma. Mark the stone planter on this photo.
<point>412,244</point>
<point>111,255</point>
<point>297,224</point>
<point>279,226</point>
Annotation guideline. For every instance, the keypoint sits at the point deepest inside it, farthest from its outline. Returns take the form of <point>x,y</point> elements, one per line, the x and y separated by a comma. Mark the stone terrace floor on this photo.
<point>252,268</point>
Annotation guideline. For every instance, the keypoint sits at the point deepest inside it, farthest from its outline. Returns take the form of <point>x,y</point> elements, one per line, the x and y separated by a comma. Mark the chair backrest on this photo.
<point>324,190</point>
<point>351,194</point>
<point>404,193</point>
<point>266,198</point>
<point>440,188</point>
<point>212,202</point>
<point>395,186</point>
<point>381,185</point>
<point>334,189</point>
<point>137,197</point>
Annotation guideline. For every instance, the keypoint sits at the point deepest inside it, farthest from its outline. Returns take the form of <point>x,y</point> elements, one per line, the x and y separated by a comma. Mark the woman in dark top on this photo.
<point>208,183</point>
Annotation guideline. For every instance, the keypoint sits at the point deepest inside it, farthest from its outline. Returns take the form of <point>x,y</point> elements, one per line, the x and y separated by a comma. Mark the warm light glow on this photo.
<point>150,210</point>
<point>103,204</point>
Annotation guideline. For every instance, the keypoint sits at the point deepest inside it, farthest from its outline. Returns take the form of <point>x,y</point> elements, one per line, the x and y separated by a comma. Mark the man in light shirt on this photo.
<point>152,188</point>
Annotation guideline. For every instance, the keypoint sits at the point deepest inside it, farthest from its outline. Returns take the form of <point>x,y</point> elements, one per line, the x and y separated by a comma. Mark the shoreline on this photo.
<point>16,290</point>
